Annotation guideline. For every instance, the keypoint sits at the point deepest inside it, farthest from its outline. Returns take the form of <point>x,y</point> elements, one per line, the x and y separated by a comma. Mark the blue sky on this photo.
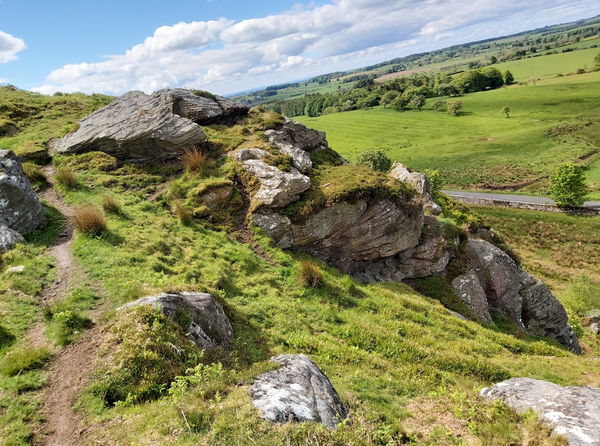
<point>227,46</point>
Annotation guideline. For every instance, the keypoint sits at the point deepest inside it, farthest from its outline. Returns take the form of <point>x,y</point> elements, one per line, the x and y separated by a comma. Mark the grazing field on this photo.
<point>481,148</point>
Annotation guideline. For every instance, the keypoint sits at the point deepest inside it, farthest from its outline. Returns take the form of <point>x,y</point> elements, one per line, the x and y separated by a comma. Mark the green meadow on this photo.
<point>556,120</point>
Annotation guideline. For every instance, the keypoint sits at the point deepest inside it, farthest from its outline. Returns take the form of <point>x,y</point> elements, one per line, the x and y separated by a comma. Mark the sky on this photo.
<point>229,46</point>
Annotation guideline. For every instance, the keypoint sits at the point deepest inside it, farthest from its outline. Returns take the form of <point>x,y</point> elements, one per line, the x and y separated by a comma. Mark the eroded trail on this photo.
<point>71,366</point>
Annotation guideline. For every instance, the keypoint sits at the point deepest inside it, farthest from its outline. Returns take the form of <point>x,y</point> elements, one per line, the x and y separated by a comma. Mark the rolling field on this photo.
<point>481,148</point>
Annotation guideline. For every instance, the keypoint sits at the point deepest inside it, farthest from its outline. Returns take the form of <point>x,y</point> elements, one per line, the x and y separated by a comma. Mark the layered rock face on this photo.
<point>511,293</point>
<point>297,391</point>
<point>20,208</point>
<point>208,325</point>
<point>574,412</point>
<point>144,127</point>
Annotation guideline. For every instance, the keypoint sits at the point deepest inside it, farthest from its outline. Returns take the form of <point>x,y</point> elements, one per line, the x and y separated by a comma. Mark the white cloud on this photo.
<point>9,47</point>
<point>226,56</point>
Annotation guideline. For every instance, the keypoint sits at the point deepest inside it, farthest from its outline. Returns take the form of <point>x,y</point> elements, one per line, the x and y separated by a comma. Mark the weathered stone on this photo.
<point>573,412</point>
<point>346,233</point>
<point>297,391</point>
<point>208,327</point>
<point>204,110</point>
<point>20,208</point>
<point>135,126</point>
<point>277,188</point>
<point>419,181</point>
<point>215,196</point>
<point>593,316</point>
<point>469,289</point>
<point>9,238</point>
<point>512,293</point>
<point>594,327</point>
<point>297,141</point>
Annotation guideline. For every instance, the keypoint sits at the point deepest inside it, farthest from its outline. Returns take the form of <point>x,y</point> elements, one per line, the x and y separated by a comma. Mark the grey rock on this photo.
<point>20,208</point>
<point>458,315</point>
<point>209,326</point>
<point>277,188</point>
<point>419,181</point>
<point>297,391</point>
<point>297,141</point>
<point>514,294</point>
<point>593,316</point>
<point>135,126</point>
<point>594,327</point>
<point>469,289</point>
<point>202,110</point>
<point>9,238</point>
<point>345,234</point>
<point>573,412</point>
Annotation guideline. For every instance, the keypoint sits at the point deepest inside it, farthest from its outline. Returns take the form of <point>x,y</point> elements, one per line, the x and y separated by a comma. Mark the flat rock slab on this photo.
<point>208,325</point>
<point>297,391</point>
<point>574,412</point>
<point>20,208</point>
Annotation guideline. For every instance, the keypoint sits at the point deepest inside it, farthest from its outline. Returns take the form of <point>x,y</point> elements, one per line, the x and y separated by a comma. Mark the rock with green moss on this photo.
<point>198,313</point>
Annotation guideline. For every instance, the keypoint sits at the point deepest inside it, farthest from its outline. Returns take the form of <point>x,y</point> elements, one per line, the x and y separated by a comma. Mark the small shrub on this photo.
<point>23,359</point>
<point>35,175</point>
<point>89,221</point>
<point>568,186</point>
<point>66,178</point>
<point>310,275</point>
<point>376,160</point>
<point>435,181</point>
<point>454,107</point>
<point>110,204</point>
<point>575,324</point>
<point>66,324</point>
<point>182,212</point>
<point>437,104</point>
<point>580,70</point>
<point>196,161</point>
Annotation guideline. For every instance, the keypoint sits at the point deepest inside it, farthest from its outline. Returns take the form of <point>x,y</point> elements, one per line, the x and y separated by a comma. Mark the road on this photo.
<point>534,199</point>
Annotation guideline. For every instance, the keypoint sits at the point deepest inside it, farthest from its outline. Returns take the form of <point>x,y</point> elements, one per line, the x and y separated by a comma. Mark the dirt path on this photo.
<point>71,366</point>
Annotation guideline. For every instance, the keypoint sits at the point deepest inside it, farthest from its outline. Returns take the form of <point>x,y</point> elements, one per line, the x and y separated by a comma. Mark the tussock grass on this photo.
<point>22,359</point>
<point>182,212</point>
<point>310,275</point>
<point>89,221</point>
<point>66,178</point>
<point>196,162</point>
<point>111,205</point>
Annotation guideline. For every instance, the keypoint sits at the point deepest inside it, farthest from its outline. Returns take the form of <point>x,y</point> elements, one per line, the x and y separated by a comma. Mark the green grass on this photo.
<point>383,346</point>
<point>481,147</point>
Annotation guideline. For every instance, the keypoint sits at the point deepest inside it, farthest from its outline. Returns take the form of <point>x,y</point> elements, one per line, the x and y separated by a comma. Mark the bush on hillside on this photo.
<point>375,159</point>
<point>435,181</point>
<point>89,221</point>
<point>567,185</point>
<point>454,107</point>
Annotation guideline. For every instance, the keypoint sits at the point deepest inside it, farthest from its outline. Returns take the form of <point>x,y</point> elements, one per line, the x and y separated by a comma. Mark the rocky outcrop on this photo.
<point>277,188</point>
<point>511,293</point>
<point>297,141</point>
<point>420,182</point>
<point>144,127</point>
<point>9,238</point>
<point>207,324</point>
<point>346,234</point>
<point>20,208</point>
<point>135,126</point>
<point>574,412</point>
<point>201,107</point>
<point>297,391</point>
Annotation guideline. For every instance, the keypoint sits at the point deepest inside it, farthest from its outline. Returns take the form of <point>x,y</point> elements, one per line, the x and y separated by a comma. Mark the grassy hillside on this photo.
<point>555,121</point>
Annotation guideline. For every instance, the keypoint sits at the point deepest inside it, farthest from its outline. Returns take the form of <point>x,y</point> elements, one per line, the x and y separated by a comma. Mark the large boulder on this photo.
<point>419,181</point>
<point>511,293</point>
<point>135,126</point>
<point>201,107</point>
<point>297,391</point>
<point>346,234</point>
<point>277,187</point>
<point>9,238</point>
<point>20,208</point>
<point>574,412</point>
<point>207,324</point>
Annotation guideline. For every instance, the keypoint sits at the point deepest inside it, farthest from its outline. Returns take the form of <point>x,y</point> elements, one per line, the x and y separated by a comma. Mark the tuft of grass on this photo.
<point>182,212</point>
<point>22,359</point>
<point>110,204</point>
<point>35,175</point>
<point>196,162</point>
<point>310,274</point>
<point>89,221</point>
<point>66,178</point>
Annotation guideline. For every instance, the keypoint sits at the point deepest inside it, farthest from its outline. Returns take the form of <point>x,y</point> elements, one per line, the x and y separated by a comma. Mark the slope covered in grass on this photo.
<point>550,123</point>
